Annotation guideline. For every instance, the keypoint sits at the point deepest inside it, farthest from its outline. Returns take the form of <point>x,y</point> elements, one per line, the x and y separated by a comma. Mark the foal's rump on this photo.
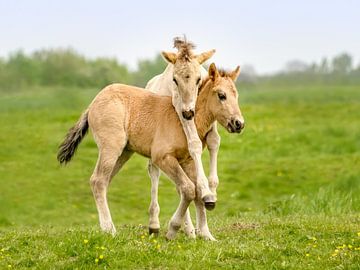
<point>122,115</point>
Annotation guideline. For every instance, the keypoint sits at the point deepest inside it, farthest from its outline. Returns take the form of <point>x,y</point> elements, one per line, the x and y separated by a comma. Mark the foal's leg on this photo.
<point>213,144</point>
<point>169,165</point>
<point>111,159</point>
<point>99,182</point>
<point>195,150</point>
<point>202,228</point>
<point>189,228</point>
<point>154,209</point>
<point>124,157</point>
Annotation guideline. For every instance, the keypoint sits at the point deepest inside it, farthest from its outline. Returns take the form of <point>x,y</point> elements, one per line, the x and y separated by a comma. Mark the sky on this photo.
<point>264,34</point>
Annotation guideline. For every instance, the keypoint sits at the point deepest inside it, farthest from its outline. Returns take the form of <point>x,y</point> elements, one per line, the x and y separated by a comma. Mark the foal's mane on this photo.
<point>222,73</point>
<point>184,47</point>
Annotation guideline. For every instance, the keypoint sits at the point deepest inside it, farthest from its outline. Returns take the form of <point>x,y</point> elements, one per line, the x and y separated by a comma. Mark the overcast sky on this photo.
<point>265,34</point>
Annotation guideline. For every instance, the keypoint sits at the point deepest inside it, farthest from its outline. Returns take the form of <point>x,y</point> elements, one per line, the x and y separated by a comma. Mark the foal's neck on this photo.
<point>204,117</point>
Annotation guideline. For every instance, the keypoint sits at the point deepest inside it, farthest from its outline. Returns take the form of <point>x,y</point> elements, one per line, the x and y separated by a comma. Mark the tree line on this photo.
<point>339,70</point>
<point>66,67</point>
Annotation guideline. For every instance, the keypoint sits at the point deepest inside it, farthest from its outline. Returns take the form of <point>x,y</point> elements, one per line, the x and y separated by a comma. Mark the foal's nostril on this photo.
<point>188,115</point>
<point>192,113</point>
<point>238,124</point>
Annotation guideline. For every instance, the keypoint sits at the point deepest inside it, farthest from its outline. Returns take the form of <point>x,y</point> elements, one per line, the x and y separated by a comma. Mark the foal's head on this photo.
<point>222,99</point>
<point>186,75</point>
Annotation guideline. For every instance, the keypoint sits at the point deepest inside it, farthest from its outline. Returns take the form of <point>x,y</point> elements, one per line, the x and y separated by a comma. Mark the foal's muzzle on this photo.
<point>235,125</point>
<point>188,115</point>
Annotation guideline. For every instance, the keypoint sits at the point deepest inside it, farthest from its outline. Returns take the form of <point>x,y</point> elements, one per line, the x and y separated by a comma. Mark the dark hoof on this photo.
<point>210,205</point>
<point>209,201</point>
<point>154,231</point>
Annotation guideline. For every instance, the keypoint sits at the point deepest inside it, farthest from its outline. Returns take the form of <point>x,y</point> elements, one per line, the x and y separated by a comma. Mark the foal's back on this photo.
<point>144,119</point>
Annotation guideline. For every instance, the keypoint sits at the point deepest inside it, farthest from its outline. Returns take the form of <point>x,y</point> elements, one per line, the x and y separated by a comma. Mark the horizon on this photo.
<point>247,67</point>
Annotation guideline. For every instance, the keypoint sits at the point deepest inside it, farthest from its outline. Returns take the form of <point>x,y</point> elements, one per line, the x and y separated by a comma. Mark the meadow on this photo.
<point>289,193</point>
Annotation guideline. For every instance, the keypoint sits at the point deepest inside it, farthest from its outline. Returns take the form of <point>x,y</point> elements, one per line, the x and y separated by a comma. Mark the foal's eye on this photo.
<point>222,96</point>
<point>175,81</point>
<point>198,81</point>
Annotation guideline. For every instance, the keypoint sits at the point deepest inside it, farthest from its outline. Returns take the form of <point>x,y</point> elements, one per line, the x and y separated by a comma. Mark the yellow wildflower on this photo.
<point>358,233</point>
<point>336,251</point>
<point>143,236</point>
<point>96,260</point>
<point>350,246</point>
<point>2,250</point>
<point>179,246</point>
<point>101,257</point>
<point>9,266</point>
<point>314,246</point>
<point>158,246</point>
<point>155,241</point>
<point>86,241</point>
<point>307,255</point>
<point>103,248</point>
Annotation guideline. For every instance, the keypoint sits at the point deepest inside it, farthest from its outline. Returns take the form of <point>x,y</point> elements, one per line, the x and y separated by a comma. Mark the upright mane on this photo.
<point>222,73</point>
<point>184,47</point>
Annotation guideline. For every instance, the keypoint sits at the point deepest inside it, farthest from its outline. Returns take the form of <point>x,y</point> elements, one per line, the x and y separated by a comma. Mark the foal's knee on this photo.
<point>213,140</point>
<point>188,191</point>
<point>213,183</point>
<point>97,184</point>
<point>154,209</point>
<point>195,147</point>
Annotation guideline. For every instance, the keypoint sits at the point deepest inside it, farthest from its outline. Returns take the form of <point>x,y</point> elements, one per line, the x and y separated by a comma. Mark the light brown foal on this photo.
<point>126,119</point>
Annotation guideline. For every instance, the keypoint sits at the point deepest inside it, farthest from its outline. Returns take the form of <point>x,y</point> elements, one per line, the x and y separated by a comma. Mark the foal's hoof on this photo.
<point>210,205</point>
<point>209,201</point>
<point>108,228</point>
<point>154,231</point>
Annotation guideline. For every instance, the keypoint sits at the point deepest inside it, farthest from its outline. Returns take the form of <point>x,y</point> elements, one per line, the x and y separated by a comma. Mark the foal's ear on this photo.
<point>201,58</point>
<point>213,72</point>
<point>169,57</point>
<point>234,74</point>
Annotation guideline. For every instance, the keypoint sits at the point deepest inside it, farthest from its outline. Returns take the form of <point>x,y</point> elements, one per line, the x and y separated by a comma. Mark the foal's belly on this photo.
<point>139,147</point>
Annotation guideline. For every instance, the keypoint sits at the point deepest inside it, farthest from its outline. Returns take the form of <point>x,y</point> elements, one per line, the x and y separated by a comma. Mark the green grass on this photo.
<point>288,194</point>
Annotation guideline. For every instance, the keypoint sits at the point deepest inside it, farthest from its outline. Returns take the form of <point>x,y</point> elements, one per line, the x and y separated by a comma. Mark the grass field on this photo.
<point>289,193</point>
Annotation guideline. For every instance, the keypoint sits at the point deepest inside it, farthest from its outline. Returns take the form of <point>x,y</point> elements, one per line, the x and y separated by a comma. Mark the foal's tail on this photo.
<point>73,138</point>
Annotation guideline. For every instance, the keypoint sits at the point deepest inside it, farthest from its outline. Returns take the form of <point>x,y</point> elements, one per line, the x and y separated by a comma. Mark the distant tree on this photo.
<point>148,69</point>
<point>342,63</point>
<point>21,70</point>
<point>296,66</point>
<point>324,66</point>
<point>105,71</point>
<point>313,68</point>
<point>63,67</point>
<point>248,74</point>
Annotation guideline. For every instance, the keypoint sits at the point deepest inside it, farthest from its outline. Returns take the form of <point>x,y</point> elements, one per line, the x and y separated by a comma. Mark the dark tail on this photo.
<point>73,138</point>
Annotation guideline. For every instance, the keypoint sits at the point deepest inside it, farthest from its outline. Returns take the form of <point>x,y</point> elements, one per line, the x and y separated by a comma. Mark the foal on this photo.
<point>178,81</point>
<point>126,119</point>
<point>181,80</point>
